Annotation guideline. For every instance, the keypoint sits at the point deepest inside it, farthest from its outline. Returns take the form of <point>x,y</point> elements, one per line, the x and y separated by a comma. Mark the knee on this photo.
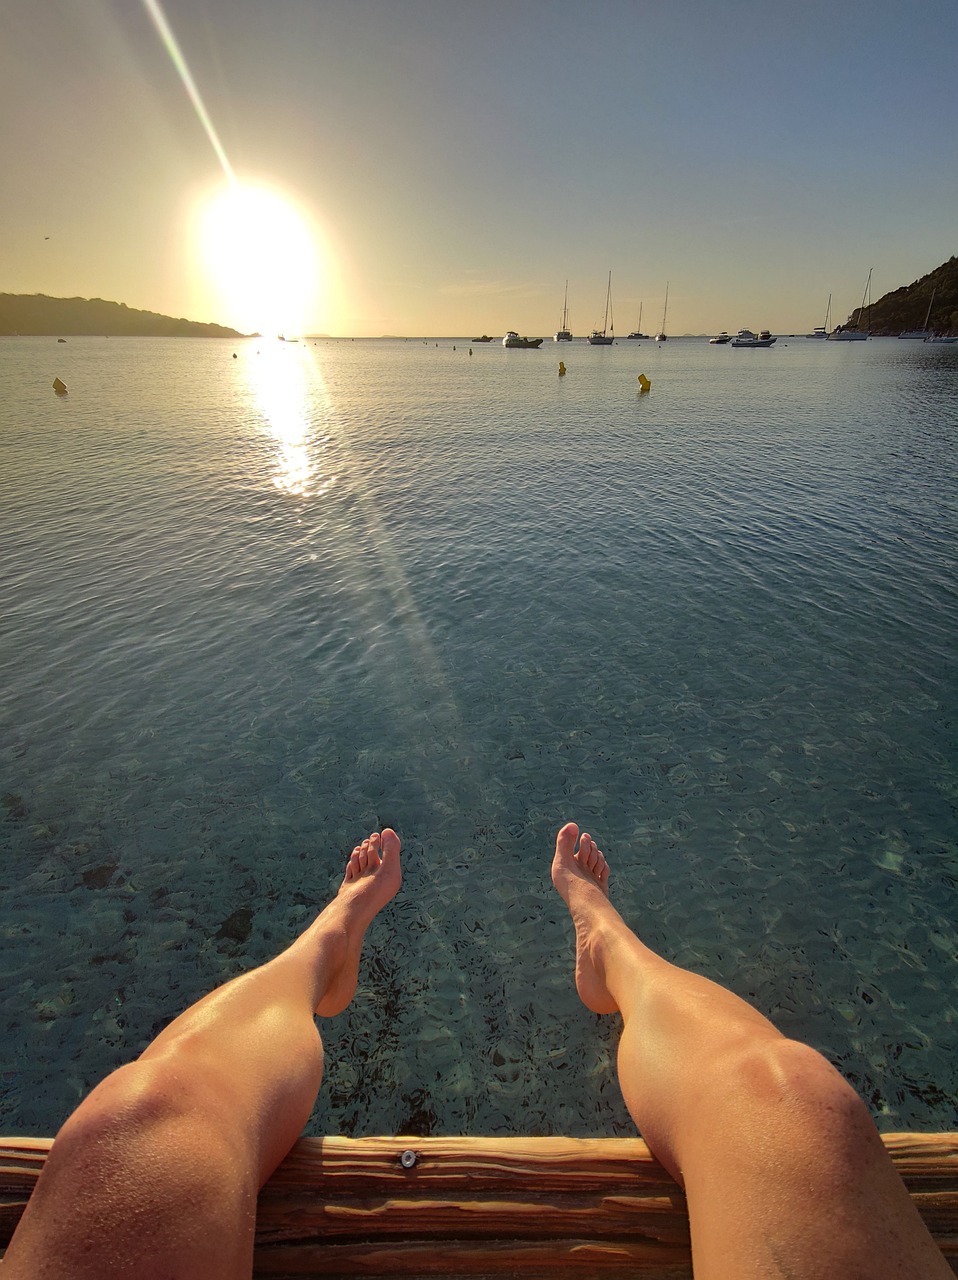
<point>140,1106</point>
<point>142,1142</point>
<point>138,1172</point>
<point>135,1097</point>
<point>789,1083</point>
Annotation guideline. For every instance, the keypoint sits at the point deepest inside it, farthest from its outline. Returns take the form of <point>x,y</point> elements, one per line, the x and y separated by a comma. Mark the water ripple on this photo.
<point>251,612</point>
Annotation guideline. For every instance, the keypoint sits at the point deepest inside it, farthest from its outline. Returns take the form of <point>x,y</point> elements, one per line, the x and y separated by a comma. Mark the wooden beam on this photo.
<point>529,1207</point>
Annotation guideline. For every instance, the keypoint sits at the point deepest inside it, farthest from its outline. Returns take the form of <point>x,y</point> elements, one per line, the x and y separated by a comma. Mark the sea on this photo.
<point>260,598</point>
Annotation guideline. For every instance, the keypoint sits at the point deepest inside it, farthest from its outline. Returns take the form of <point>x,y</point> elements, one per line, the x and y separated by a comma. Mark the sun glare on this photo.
<point>262,260</point>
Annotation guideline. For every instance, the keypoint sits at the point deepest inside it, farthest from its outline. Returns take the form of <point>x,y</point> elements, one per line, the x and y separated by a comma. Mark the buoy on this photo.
<point>454,347</point>
<point>644,384</point>
<point>234,355</point>
<point>561,368</point>
<point>470,350</point>
<point>59,387</point>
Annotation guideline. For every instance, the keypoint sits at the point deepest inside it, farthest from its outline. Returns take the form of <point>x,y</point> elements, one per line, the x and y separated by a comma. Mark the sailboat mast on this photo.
<point>565,308</point>
<point>930,305</point>
<point>608,304</point>
<point>662,336</point>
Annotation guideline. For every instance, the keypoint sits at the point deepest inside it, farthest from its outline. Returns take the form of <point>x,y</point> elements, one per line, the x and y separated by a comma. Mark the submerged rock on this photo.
<point>14,805</point>
<point>238,926</point>
<point>99,877</point>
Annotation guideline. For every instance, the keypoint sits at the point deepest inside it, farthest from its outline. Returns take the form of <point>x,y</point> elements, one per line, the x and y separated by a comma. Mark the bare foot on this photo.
<point>373,876</point>
<point>581,877</point>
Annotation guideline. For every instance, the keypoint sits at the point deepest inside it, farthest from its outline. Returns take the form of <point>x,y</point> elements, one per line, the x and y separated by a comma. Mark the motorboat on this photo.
<point>485,338</point>
<point>514,342</point>
<point>746,338</point>
<point>720,339</point>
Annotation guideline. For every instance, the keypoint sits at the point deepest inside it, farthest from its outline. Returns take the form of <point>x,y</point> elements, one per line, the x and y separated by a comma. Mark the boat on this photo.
<point>746,338</point>
<point>821,330</point>
<point>638,328</point>
<point>720,339</point>
<point>942,337</point>
<point>848,333</point>
<point>564,333</point>
<point>662,336</point>
<point>605,336</point>
<point>514,342</point>
<point>924,333</point>
<point>485,338</point>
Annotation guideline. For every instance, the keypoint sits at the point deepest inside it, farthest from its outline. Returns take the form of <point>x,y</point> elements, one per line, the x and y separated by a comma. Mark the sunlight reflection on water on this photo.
<point>289,390</point>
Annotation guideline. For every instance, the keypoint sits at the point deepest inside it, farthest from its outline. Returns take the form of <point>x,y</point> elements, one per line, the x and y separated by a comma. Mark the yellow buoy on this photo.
<point>59,387</point>
<point>644,384</point>
<point>561,368</point>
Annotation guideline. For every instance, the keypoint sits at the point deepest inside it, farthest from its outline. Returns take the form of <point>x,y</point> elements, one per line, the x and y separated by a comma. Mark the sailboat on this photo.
<point>821,331</point>
<point>662,336</point>
<point>843,334</point>
<point>564,333</point>
<point>638,328</point>
<point>605,336</point>
<point>924,332</point>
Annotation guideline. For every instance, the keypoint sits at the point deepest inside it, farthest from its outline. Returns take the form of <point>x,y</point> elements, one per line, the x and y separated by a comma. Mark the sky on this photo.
<point>438,167</point>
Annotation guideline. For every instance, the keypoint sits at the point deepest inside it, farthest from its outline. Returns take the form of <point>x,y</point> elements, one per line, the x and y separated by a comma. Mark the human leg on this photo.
<point>156,1172</point>
<point>784,1171</point>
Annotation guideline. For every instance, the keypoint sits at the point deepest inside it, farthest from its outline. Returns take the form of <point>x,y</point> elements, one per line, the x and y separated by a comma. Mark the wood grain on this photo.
<point>525,1207</point>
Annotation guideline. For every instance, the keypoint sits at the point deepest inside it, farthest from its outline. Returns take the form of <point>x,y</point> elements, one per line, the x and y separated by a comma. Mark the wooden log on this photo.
<point>527,1207</point>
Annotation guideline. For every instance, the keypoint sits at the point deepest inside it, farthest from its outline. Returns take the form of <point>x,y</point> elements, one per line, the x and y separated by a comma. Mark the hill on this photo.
<point>36,315</point>
<point>906,307</point>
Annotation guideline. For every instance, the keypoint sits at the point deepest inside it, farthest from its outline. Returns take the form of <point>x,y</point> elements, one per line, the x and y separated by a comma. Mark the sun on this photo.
<point>261,258</point>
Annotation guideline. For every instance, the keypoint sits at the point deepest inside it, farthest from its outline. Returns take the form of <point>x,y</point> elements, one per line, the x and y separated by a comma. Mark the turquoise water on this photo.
<point>254,608</point>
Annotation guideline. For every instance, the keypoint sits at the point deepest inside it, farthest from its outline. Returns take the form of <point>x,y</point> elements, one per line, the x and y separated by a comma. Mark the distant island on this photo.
<point>907,307</point>
<point>35,315</point>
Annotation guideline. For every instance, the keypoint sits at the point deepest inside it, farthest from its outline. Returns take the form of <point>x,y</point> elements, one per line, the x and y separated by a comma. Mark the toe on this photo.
<point>587,851</point>
<point>565,840</point>
<point>372,846</point>
<point>390,844</point>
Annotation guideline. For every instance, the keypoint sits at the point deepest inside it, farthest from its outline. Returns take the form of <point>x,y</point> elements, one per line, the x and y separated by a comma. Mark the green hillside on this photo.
<point>907,307</point>
<point>36,315</point>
